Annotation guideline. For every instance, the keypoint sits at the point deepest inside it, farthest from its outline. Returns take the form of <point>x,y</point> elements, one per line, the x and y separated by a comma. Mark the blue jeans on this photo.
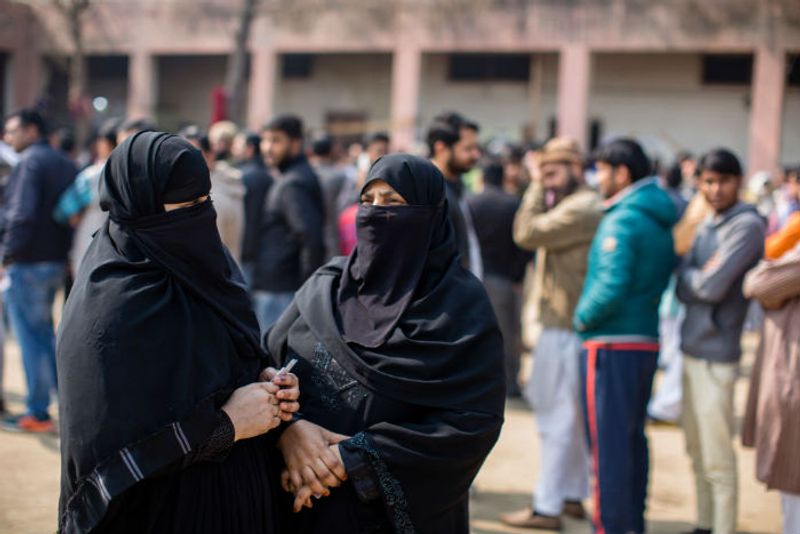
<point>269,307</point>
<point>29,302</point>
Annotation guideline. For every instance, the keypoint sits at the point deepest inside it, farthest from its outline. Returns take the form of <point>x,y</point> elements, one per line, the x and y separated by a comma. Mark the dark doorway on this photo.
<point>346,127</point>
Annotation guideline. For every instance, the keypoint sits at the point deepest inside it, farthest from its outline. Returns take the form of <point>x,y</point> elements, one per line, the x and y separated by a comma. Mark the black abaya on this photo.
<point>423,394</point>
<point>156,334</point>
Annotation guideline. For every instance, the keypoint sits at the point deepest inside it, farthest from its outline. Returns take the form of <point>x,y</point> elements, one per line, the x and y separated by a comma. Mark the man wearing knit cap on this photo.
<point>558,218</point>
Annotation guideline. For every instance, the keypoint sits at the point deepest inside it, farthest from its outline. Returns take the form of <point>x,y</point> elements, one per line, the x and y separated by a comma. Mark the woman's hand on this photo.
<point>302,496</point>
<point>253,410</point>
<point>289,391</point>
<point>311,464</point>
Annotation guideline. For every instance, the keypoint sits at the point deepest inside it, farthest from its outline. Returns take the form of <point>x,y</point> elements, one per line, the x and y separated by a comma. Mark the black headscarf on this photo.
<point>157,331</point>
<point>392,252</point>
<point>434,337</point>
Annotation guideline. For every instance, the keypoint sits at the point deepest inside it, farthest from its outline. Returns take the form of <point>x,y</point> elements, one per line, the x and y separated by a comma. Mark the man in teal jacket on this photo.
<point>630,263</point>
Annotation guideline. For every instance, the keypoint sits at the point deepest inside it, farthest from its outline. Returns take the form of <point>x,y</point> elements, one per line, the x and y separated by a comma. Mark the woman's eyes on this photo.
<point>385,202</point>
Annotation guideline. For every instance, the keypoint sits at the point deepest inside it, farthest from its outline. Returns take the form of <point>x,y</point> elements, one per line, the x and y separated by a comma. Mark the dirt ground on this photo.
<point>30,474</point>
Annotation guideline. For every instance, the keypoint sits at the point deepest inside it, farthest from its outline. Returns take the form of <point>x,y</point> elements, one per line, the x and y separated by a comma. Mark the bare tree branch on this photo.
<point>72,11</point>
<point>237,64</point>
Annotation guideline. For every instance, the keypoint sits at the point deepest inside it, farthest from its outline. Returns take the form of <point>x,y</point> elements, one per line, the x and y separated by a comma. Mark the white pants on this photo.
<point>555,396</point>
<point>791,513</point>
<point>666,402</point>
<point>708,424</point>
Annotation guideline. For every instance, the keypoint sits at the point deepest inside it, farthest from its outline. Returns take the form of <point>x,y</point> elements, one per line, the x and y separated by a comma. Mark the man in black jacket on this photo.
<point>34,254</point>
<point>291,241</point>
<point>453,145</point>
<point>333,181</point>
<point>257,183</point>
<point>493,212</point>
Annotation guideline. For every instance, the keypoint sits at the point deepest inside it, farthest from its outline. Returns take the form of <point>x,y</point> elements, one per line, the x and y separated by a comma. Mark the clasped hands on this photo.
<point>313,462</point>
<point>311,452</point>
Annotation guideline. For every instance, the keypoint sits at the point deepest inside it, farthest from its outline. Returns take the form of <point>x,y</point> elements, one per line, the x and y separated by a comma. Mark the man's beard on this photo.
<point>457,170</point>
<point>554,196</point>
<point>281,159</point>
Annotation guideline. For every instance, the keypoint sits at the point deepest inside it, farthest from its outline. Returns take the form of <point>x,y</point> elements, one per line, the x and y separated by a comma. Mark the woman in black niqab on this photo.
<point>156,336</point>
<point>398,349</point>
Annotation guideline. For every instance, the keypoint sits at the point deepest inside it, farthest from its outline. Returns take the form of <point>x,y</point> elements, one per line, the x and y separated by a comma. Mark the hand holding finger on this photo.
<point>276,419</point>
<point>325,474</point>
<point>288,393</point>
<point>286,481</point>
<point>269,387</point>
<point>289,406</point>
<point>302,498</point>
<point>267,374</point>
<point>311,480</point>
<point>333,460</point>
<point>286,380</point>
<point>253,410</point>
<point>295,480</point>
<point>287,411</point>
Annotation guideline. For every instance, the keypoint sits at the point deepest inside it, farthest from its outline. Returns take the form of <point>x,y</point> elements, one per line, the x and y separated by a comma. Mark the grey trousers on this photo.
<point>507,304</point>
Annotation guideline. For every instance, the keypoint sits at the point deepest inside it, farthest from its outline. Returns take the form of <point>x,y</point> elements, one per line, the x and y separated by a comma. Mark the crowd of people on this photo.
<point>408,287</point>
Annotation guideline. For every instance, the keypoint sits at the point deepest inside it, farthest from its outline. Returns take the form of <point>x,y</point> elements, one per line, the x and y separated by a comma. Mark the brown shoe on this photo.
<point>574,509</point>
<point>527,518</point>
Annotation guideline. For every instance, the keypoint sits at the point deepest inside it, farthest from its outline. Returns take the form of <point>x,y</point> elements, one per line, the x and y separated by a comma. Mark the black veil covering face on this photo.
<point>406,308</point>
<point>413,328</point>
<point>392,254</point>
<point>156,333</point>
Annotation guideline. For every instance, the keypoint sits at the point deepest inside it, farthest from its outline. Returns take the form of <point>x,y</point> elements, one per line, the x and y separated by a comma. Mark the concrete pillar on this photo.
<point>26,77</point>
<point>25,66</point>
<point>574,77</point>
<point>263,78</point>
<point>769,86</point>
<point>406,73</point>
<point>142,85</point>
<point>535,128</point>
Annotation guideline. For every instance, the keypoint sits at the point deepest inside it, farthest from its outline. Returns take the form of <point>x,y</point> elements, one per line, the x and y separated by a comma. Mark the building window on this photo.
<point>297,66</point>
<point>595,133</point>
<point>727,69</point>
<point>108,67</point>
<point>489,67</point>
<point>793,70</point>
<point>346,126</point>
<point>552,127</point>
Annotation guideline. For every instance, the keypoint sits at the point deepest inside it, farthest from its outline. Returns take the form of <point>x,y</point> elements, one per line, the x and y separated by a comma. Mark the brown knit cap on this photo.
<point>561,150</point>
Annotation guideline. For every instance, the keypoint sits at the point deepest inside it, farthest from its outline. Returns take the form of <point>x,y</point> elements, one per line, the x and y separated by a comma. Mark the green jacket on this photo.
<point>630,262</point>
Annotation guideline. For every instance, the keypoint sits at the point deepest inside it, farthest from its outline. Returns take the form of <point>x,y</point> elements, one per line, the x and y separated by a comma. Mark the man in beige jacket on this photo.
<point>558,218</point>
<point>227,187</point>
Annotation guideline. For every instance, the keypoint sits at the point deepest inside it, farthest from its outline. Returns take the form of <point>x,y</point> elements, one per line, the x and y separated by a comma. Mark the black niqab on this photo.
<point>393,250</point>
<point>136,184</point>
<point>156,333</point>
<point>439,333</point>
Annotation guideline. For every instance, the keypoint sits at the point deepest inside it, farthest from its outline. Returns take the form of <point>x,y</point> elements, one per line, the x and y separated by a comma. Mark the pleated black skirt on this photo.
<point>232,496</point>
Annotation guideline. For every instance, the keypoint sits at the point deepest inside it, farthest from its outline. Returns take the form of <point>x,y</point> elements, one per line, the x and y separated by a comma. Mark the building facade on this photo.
<point>677,74</point>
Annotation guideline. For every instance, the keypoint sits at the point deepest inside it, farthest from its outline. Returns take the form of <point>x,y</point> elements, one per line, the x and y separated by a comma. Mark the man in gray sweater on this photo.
<point>727,245</point>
